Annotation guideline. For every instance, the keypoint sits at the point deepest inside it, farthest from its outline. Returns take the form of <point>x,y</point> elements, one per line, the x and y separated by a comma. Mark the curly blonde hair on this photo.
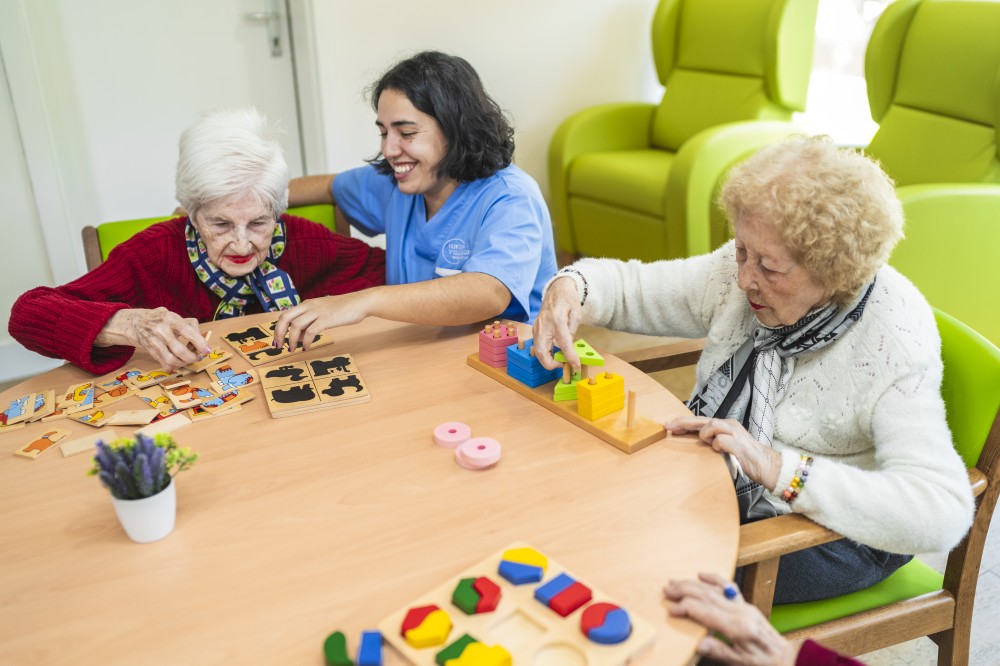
<point>834,208</point>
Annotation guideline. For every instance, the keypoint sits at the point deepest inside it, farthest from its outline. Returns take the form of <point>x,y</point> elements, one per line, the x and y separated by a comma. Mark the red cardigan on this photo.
<point>152,270</point>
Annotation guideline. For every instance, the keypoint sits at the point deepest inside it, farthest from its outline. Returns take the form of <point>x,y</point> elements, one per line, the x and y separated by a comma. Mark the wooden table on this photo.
<point>288,529</point>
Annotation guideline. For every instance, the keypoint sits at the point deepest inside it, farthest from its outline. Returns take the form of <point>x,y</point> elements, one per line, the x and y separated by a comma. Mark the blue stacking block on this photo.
<point>525,368</point>
<point>546,592</point>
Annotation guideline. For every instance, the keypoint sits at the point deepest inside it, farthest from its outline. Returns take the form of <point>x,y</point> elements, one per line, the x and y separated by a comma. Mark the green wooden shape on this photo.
<point>588,355</point>
<point>566,391</point>
<point>335,650</point>
<point>455,650</point>
<point>466,596</point>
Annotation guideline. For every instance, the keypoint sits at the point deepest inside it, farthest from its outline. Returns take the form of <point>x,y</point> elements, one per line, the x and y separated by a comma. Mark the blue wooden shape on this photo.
<point>616,628</point>
<point>546,592</point>
<point>519,574</point>
<point>370,650</point>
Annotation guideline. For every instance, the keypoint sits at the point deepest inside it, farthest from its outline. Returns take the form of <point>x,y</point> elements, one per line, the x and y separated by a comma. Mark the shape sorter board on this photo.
<point>524,626</point>
<point>256,344</point>
<point>306,386</point>
<point>613,428</point>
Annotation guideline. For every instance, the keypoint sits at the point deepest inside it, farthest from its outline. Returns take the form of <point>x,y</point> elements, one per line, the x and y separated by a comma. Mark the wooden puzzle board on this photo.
<point>612,428</point>
<point>532,632</point>
<point>308,386</point>
<point>255,344</point>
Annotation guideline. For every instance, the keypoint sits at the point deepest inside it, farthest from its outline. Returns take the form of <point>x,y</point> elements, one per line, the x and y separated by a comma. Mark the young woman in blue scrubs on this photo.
<point>468,234</point>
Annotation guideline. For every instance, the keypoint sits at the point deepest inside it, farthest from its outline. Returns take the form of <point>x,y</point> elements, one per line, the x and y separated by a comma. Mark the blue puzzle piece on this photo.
<point>370,650</point>
<point>616,628</point>
<point>519,574</point>
<point>546,592</point>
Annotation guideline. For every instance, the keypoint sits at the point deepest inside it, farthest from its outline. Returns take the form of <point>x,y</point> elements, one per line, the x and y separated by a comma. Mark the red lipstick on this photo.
<point>239,259</point>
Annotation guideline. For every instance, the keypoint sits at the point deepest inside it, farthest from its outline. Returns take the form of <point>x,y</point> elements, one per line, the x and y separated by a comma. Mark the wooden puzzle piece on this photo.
<point>155,398</point>
<point>37,447</point>
<point>95,417</point>
<point>20,409</point>
<point>185,395</point>
<point>334,365</point>
<point>335,650</point>
<point>370,649</point>
<point>4,428</point>
<point>291,397</point>
<point>128,377</point>
<point>256,344</point>
<point>153,377</point>
<point>214,358</point>
<point>88,443</point>
<point>600,395</point>
<point>342,388</point>
<point>77,398</point>
<point>45,405</point>
<point>227,379</point>
<point>521,625</point>
<point>169,424</point>
<point>227,400</point>
<point>107,398</point>
<point>286,373</point>
<point>132,417</point>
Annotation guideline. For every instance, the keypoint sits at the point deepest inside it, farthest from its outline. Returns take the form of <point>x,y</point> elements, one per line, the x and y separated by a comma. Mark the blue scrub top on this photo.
<point>498,225</point>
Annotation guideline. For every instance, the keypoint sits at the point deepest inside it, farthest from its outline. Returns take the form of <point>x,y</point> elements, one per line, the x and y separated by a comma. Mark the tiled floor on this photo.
<point>985,648</point>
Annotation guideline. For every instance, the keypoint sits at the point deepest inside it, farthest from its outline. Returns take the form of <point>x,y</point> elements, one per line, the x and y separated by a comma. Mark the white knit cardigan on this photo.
<point>867,408</point>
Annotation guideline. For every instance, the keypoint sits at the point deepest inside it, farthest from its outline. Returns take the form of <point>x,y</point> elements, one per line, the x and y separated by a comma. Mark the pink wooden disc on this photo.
<point>451,434</point>
<point>478,453</point>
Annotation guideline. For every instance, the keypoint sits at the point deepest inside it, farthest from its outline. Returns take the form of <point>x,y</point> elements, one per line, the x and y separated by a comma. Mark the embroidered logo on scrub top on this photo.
<point>455,251</point>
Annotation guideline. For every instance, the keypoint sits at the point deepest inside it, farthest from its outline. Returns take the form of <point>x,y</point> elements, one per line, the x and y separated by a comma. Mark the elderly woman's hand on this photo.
<point>753,641</point>
<point>557,321</point>
<point>760,463</point>
<point>172,340</point>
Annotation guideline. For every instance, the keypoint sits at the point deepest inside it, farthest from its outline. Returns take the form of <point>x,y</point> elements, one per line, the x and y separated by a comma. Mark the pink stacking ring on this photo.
<point>478,453</point>
<point>452,434</point>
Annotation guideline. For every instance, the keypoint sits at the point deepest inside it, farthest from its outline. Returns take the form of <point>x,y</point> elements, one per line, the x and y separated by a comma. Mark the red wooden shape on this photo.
<point>489,594</point>
<point>415,617</point>
<point>570,599</point>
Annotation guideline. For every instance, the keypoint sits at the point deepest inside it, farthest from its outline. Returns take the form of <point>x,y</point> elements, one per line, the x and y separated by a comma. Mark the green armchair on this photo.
<point>637,180</point>
<point>933,78</point>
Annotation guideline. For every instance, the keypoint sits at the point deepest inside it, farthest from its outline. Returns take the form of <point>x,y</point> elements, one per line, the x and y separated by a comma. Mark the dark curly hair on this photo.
<point>480,138</point>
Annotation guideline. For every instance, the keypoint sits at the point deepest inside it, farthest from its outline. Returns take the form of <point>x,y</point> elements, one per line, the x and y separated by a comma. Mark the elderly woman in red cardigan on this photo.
<point>235,253</point>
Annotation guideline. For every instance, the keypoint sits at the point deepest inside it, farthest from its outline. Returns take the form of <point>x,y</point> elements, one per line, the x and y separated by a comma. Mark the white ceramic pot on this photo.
<point>150,518</point>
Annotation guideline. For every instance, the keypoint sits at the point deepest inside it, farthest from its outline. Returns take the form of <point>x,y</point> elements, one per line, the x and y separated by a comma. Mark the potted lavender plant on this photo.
<point>139,473</point>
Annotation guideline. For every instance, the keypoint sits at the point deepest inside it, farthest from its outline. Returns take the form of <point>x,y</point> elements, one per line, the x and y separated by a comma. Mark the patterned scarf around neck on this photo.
<point>272,287</point>
<point>753,380</point>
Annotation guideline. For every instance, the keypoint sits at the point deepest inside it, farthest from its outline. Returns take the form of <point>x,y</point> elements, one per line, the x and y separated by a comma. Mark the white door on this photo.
<point>102,89</point>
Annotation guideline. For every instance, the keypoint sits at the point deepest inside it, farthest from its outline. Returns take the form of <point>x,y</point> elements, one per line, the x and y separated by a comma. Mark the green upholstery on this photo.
<point>111,234</point>
<point>638,180</point>
<point>971,390</point>
<point>933,77</point>
<point>952,248</point>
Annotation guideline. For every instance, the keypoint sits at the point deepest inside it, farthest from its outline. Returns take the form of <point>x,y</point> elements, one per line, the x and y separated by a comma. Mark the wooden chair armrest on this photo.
<point>664,357</point>
<point>978,481</point>
<point>774,537</point>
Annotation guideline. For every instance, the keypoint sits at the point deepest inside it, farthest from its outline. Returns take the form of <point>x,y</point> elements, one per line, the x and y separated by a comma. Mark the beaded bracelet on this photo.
<point>583,280</point>
<point>799,480</point>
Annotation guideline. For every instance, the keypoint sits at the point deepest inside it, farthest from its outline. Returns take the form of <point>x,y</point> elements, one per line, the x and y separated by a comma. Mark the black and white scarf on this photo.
<point>753,380</point>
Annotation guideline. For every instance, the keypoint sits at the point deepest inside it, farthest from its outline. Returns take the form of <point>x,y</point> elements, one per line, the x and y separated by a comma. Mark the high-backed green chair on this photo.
<point>99,241</point>
<point>952,250</point>
<point>638,180</point>
<point>916,600</point>
<point>932,70</point>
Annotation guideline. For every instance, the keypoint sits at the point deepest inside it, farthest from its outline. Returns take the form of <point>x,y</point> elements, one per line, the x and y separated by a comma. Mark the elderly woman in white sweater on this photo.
<point>821,375</point>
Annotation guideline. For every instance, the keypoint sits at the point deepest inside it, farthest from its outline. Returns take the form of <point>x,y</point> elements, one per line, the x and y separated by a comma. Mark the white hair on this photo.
<point>229,153</point>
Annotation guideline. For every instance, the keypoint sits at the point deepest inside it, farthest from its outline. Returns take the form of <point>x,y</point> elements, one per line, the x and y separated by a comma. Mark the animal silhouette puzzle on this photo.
<point>256,344</point>
<point>305,386</point>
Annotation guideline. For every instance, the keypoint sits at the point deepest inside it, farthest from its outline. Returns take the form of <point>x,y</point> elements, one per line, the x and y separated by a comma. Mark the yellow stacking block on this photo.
<point>478,654</point>
<point>432,631</point>
<point>600,395</point>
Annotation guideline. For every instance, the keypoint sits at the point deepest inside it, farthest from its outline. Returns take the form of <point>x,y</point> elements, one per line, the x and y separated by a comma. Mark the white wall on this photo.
<point>541,60</point>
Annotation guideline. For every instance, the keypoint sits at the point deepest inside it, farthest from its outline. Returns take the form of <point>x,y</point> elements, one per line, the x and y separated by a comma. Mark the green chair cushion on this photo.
<point>969,33</point>
<point>915,146</point>
<point>609,231</point>
<point>725,36</point>
<point>911,580</point>
<point>635,180</point>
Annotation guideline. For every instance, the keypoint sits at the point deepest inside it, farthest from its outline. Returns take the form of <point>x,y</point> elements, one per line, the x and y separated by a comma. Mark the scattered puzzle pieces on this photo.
<point>256,344</point>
